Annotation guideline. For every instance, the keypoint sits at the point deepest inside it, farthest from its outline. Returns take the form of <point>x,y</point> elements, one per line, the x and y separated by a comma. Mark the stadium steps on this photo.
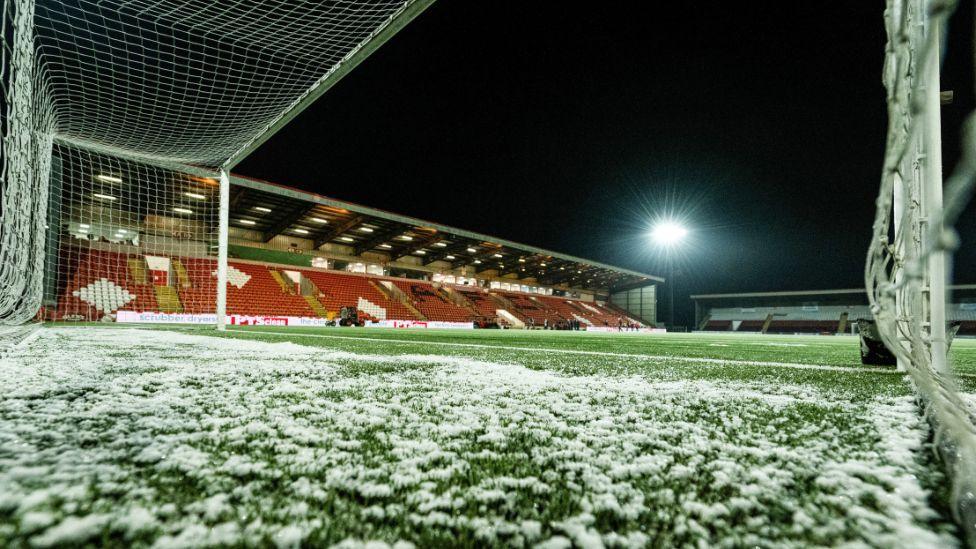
<point>704,322</point>
<point>181,273</point>
<point>168,300</point>
<point>280,279</point>
<point>765,326</point>
<point>505,305</point>
<point>510,318</point>
<point>842,323</point>
<point>316,306</point>
<point>414,310</point>
<point>394,293</point>
<point>460,300</point>
<point>138,272</point>
<point>385,291</point>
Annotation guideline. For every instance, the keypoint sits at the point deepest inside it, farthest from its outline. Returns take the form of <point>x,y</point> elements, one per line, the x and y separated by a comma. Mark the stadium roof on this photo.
<point>325,220</point>
<point>801,293</point>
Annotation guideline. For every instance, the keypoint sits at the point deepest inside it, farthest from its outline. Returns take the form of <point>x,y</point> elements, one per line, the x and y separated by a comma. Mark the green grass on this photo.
<point>267,435</point>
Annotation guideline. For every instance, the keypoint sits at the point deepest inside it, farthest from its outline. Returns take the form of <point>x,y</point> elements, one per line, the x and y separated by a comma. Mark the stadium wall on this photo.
<point>639,302</point>
<point>815,311</point>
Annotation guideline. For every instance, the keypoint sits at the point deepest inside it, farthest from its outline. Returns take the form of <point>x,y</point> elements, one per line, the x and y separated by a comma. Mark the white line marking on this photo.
<point>701,360</point>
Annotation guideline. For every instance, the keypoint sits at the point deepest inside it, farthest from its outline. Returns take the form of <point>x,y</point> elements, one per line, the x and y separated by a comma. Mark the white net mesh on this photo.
<point>126,96</point>
<point>131,237</point>
<point>913,238</point>
<point>191,81</point>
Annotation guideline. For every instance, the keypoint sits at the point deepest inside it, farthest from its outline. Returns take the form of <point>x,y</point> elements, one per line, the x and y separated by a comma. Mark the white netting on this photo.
<point>191,81</point>
<point>912,236</point>
<point>143,89</point>
<point>132,237</point>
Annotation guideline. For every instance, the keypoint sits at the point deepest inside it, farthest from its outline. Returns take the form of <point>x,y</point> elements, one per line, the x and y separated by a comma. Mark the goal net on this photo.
<point>909,259</point>
<point>119,119</point>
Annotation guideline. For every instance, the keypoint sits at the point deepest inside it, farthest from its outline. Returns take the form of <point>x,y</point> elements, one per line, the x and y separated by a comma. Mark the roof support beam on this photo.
<point>287,221</point>
<point>416,245</point>
<point>377,239</point>
<point>338,230</point>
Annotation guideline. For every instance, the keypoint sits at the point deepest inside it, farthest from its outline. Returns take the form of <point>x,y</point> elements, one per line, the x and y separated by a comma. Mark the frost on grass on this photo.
<point>171,440</point>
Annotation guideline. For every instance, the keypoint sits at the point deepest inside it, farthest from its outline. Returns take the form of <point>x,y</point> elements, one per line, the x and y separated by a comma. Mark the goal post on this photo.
<point>147,106</point>
<point>913,238</point>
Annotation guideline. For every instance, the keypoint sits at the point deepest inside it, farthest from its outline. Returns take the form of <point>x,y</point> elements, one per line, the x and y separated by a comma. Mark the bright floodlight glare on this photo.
<point>668,233</point>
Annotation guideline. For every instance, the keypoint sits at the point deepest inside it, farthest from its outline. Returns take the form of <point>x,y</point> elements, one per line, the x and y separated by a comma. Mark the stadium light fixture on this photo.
<point>246,222</point>
<point>477,262</point>
<point>385,246</point>
<point>449,257</point>
<point>440,244</point>
<point>84,226</point>
<point>406,237</point>
<point>319,220</point>
<point>668,233</point>
<point>472,250</point>
<point>345,238</point>
<point>262,209</point>
<point>301,231</point>
<point>366,229</point>
<point>108,178</point>
<point>198,196</point>
<point>183,210</point>
<point>105,196</point>
<point>420,252</point>
<point>497,256</point>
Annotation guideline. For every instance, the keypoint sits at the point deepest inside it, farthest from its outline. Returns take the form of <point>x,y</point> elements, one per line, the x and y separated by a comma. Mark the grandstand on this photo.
<point>302,255</point>
<point>808,312</point>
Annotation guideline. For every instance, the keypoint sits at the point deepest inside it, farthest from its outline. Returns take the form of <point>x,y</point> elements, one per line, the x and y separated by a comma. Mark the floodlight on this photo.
<point>668,233</point>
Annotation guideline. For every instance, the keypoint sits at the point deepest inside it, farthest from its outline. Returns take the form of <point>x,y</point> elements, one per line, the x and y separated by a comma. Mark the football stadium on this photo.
<point>194,356</point>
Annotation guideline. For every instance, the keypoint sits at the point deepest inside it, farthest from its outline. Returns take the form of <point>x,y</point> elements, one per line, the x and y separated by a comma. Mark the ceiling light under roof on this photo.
<point>522,260</point>
<point>183,210</point>
<point>198,196</point>
<point>406,237</point>
<point>385,246</point>
<point>121,231</point>
<point>262,209</point>
<point>84,226</point>
<point>472,250</point>
<point>420,252</point>
<point>449,257</point>
<point>108,178</point>
<point>319,220</point>
<point>366,229</point>
<point>301,231</point>
<point>104,196</point>
<point>477,262</point>
<point>345,239</point>
<point>440,244</point>
<point>246,222</point>
<point>497,256</point>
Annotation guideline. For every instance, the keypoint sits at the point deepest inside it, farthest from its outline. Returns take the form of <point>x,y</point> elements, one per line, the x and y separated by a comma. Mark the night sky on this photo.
<point>761,126</point>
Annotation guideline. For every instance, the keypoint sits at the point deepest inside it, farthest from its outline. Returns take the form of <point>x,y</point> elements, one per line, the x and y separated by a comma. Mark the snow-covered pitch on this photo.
<point>171,439</point>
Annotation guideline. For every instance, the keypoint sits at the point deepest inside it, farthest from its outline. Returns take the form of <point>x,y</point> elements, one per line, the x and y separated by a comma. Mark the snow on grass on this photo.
<point>164,439</point>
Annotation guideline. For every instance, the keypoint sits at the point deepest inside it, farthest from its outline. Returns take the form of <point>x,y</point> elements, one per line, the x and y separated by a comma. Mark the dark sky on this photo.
<point>761,124</point>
